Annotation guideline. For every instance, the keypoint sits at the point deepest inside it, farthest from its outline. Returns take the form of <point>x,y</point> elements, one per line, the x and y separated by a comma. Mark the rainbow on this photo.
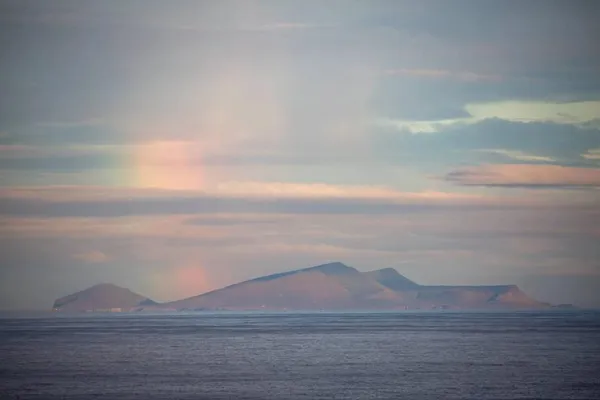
<point>172,165</point>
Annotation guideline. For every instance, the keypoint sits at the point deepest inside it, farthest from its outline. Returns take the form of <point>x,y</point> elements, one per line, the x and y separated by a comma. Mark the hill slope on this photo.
<point>390,278</point>
<point>328,286</point>
<point>104,296</point>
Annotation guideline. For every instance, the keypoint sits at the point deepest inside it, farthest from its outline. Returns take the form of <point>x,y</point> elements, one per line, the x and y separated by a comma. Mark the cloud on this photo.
<point>232,189</point>
<point>462,76</point>
<point>570,113</point>
<point>286,26</point>
<point>8,151</point>
<point>526,176</point>
<point>192,164</point>
<point>67,133</point>
<point>73,123</point>
<point>433,126</point>
<point>581,114</point>
<point>233,197</point>
<point>92,257</point>
<point>245,28</point>
<point>592,154</point>
<point>518,155</point>
<point>323,190</point>
<point>233,220</point>
<point>497,138</point>
<point>437,226</point>
<point>125,230</point>
<point>61,158</point>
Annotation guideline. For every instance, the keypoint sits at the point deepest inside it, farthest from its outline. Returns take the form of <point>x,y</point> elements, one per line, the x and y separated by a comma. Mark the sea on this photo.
<point>351,355</point>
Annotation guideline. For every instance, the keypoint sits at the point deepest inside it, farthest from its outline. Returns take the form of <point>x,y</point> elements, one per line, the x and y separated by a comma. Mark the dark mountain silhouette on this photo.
<point>104,296</point>
<point>331,286</point>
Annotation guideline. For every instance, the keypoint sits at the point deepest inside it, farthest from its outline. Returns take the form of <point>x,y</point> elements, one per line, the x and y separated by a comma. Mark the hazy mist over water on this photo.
<point>456,355</point>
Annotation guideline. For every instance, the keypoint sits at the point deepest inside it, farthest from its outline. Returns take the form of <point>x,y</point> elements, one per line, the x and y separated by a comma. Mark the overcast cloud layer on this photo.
<point>176,147</point>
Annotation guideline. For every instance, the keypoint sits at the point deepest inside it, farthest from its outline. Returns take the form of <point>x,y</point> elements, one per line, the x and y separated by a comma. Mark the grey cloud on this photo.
<point>115,157</point>
<point>56,71</point>
<point>521,27</point>
<point>458,144</point>
<point>425,98</point>
<point>207,204</point>
<point>64,133</point>
<point>66,163</point>
<point>526,176</point>
<point>564,143</point>
<point>229,221</point>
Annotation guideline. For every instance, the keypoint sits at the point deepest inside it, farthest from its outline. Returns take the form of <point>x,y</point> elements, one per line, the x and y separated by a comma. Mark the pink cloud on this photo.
<point>524,175</point>
<point>234,189</point>
<point>324,190</point>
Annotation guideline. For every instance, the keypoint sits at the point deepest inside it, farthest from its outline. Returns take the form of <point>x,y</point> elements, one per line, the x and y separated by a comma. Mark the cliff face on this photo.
<point>332,286</point>
<point>104,296</point>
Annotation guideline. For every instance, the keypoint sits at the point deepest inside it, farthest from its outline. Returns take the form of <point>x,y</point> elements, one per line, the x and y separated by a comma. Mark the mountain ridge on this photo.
<point>327,286</point>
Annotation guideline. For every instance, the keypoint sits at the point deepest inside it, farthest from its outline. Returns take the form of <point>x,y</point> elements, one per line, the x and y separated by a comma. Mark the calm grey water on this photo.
<point>552,355</point>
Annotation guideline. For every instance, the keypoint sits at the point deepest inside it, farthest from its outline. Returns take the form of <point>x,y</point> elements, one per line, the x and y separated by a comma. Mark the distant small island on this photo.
<point>332,286</point>
<point>565,306</point>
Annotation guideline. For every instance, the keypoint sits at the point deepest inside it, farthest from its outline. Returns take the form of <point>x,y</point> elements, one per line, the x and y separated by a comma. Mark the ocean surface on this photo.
<point>433,355</point>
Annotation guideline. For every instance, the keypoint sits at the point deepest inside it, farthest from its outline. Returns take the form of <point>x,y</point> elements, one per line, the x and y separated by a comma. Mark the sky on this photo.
<point>174,147</point>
